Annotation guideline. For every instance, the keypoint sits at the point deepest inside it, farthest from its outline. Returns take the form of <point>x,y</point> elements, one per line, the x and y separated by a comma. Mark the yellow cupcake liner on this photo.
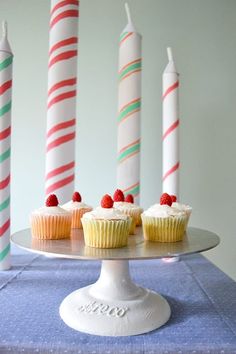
<point>170,229</point>
<point>51,227</point>
<point>77,214</point>
<point>188,213</point>
<point>105,233</point>
<point>135,214</point>
<point>138,218</point>
<point>132,226</point>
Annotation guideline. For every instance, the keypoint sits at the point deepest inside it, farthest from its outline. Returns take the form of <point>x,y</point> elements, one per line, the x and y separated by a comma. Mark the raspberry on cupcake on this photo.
<point>51,221</point>
<point>126,205</point>
<point>129,199</point>
<point>105,226</point>
<point>77,208</point>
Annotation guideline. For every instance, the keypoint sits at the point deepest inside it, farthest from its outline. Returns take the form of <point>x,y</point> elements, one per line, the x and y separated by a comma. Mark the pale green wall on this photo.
<point>203,36</point>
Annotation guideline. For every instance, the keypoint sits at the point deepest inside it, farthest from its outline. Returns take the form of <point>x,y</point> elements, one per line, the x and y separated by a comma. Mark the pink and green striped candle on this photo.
<point>129,106</point>
<point>6,58</point>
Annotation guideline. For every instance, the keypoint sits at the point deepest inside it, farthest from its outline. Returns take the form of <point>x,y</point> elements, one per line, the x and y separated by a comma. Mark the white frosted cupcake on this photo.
<point>163,222</point>
<point>183,207</point>
<point>126,206</point>
<point>78,209</point>
<point>105,227</point>
<point>51,222</point>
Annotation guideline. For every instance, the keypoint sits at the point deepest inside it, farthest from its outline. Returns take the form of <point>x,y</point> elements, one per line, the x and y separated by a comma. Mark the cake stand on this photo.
<point>114,305</point>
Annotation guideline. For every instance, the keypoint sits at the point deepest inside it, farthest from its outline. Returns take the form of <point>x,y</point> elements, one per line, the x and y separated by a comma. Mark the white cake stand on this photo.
<point>114,305</point>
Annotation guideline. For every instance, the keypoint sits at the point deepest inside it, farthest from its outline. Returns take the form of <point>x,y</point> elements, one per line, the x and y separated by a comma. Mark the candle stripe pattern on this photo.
<point>130,68</point>
<point>61,104</point>
<point>134,190</point>
<point>131,149</point>
<point>129,109</point>
<point>170,135</point>
<point>6,61</point>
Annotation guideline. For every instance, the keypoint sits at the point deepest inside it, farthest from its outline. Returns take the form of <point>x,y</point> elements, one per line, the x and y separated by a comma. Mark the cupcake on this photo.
<point>163,222</point>
<point>126,206</point>
<point>183,207</point>
<point>51,222</point>
<point>77,208</point>
<point>105,227</point>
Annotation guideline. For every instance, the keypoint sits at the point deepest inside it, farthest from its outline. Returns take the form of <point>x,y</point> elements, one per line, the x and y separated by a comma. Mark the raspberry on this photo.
<point>129,198</point>
<point>107,201</point>
<point>173,198</point>
<point>119,196</point>
<point>52,200</point>
<point>165,199</point>
<point>76,197</point>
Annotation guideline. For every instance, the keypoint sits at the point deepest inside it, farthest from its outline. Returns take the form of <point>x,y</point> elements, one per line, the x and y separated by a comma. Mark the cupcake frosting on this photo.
<point>164,211</point>
<point>75,205</point>
<point>105,214</point>
<point>52,210</point>
<point>125,205</point>
<point>182,207</point>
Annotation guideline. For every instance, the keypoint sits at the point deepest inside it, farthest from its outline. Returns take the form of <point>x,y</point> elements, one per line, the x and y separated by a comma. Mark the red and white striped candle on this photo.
<point>6,58</point>
<point>170,138</point>
<point>129,106</point>
<point>61,105</point>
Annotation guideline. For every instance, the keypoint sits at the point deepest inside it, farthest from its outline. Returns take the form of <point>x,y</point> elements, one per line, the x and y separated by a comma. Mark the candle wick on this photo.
<point>128,12</point>
<point>170,54</point>
<point>4,28</point>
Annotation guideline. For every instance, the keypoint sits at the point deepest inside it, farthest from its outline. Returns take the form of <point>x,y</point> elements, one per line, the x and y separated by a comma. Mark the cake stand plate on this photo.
<point>114,305</point>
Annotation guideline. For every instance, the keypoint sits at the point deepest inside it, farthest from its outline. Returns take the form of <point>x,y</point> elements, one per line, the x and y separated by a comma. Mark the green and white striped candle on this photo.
<point>129,105</point>
<point>6,58</point>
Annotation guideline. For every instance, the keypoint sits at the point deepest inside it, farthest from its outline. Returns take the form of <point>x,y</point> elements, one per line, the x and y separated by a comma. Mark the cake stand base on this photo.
<point>114,305</point>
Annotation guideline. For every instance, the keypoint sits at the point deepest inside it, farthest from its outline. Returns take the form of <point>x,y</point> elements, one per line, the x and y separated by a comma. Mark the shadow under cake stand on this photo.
<point>114,305</point>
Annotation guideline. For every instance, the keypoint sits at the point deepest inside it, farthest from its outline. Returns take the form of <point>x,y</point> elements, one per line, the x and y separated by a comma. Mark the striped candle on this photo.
<point>170,161</point>
<point>129,105</point>
<point>6,59</point>
<point>61,105</point>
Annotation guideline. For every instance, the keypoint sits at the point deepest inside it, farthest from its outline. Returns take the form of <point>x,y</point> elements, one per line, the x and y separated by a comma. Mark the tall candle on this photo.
<point>170,160</point>
<point>129,105</point>
<point>61,105</point>
<point>6,58</point>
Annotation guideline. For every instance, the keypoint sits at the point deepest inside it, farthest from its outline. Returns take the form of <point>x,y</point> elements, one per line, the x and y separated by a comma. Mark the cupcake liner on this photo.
<point>135,214</point>
<point>138,218</point>
<point>51,227</point>
<point>105,233</point>
<point>132,226</point>
<point>171,229</point>
<point>76,217</point>
<point>188,213</point>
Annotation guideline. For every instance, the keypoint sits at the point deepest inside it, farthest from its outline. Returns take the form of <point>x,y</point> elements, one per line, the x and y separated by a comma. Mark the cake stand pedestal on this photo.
<point>114,305</point>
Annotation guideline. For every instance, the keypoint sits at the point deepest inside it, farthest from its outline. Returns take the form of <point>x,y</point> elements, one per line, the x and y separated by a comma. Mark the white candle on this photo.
<point>129,106</point>
<point>170,161</point>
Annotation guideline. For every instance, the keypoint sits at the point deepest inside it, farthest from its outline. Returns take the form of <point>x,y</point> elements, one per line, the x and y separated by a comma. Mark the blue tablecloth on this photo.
<point>202,299</point>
